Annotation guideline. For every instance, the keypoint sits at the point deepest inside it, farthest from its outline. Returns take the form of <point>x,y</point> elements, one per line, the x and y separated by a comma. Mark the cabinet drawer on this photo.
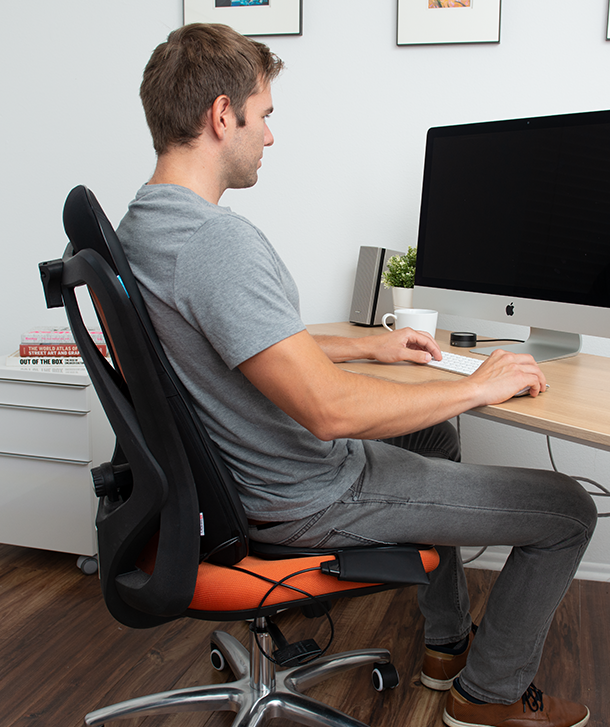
<point>44,433</point>
<point>47,505</point>
<point>44,395</point>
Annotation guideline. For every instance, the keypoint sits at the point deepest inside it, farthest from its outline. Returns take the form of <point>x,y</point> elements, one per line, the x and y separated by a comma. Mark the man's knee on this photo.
<point>573,503</point>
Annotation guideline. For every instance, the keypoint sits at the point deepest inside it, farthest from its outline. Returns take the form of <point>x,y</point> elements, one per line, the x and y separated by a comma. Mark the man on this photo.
<point>301,436</point>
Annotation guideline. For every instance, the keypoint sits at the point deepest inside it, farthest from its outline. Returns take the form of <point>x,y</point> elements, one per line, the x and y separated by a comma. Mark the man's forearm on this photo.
<point>401,345</point>
<point>340,348</point>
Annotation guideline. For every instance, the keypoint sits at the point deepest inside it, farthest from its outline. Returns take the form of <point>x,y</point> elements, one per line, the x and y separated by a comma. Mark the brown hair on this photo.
<point>187,73</point>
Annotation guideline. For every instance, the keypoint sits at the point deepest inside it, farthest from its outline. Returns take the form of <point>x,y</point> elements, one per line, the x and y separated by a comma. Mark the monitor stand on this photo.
<point>543,344</point>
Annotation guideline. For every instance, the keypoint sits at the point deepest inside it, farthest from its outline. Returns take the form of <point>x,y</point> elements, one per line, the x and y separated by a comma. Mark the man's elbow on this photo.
<point>328,426</point>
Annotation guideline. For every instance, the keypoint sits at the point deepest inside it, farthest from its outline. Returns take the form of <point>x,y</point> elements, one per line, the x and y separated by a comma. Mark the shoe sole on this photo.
<point>452,722</point>
<point>439,685</point>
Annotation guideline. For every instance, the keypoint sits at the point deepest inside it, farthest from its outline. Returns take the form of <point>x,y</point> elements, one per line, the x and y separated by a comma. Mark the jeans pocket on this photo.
<point>355,490</point>
<point>303,527</point>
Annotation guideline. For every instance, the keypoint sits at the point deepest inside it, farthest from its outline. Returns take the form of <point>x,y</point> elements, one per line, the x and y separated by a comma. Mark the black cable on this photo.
<point>494,340</point>
<point>480,552</point>
<point>204,558</point>
<point>282,582</point>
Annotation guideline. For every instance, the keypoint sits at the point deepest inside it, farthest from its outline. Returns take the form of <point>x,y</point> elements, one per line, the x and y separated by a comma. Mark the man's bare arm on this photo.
<point>332,403</point>
<point>405,344</point>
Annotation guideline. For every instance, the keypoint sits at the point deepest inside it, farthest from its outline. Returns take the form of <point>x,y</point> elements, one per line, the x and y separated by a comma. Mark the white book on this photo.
<point>57,334</point>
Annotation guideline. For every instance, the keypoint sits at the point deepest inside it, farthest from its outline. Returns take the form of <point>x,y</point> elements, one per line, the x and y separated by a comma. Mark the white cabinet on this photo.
<point>53,430</point>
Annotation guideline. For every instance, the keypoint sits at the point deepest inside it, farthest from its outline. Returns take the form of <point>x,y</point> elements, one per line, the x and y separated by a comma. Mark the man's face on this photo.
<point>244,155</point>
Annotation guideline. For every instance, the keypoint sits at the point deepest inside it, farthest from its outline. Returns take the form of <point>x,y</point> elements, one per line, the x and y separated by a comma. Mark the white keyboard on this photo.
<point>464,365</point>
<point>457,364</point>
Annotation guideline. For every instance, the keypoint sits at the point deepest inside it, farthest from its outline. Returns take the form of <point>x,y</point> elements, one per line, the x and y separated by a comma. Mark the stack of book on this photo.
<point>52,346</point>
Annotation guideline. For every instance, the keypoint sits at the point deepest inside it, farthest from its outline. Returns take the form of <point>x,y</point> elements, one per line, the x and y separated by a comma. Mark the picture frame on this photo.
<point>248,17</point>
<point>608,24</point>
<point>426,22</point>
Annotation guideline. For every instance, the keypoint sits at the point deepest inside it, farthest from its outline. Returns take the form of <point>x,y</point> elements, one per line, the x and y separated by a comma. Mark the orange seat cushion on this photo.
<point>238,588</point>
<point>227,589</point>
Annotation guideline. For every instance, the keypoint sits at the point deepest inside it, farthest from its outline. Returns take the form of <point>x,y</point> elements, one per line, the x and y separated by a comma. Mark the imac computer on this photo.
<point>515,227</point>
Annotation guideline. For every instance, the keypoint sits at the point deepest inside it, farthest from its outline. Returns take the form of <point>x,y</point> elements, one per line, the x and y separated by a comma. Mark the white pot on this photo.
<point>402,297</point>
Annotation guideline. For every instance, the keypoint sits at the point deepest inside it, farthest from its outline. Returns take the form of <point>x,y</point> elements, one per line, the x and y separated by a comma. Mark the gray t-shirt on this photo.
<point>218,293</point>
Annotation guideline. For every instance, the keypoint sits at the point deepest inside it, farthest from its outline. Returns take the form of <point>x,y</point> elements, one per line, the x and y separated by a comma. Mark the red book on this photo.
<point>54,349</point>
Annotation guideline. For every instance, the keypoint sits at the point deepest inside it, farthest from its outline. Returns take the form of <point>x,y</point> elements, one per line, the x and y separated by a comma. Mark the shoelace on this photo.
<point>532,699</point>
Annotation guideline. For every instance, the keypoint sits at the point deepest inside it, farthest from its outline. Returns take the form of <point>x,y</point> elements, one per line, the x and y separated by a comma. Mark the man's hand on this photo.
<point>405,344</point>
<point>503,374</point>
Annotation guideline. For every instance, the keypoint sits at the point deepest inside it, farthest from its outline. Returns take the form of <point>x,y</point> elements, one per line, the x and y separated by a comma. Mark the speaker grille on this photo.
<point>370,300</point>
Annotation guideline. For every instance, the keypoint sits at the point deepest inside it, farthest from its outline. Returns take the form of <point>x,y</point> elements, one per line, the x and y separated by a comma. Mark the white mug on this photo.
<point>418,319</point>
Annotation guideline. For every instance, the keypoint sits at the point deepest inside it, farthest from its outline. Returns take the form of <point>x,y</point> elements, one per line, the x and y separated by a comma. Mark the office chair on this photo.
<point>172,534</point>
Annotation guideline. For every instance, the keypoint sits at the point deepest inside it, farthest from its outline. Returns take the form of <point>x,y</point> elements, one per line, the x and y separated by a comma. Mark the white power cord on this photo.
<point>604,492</point>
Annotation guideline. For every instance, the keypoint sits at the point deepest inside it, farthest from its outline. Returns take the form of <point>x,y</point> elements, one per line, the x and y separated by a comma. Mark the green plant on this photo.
<point>400,271</point>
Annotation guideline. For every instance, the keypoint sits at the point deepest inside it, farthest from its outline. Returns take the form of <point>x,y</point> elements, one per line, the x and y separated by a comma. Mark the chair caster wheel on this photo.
<point>384,676</point>
<point>218,661</point>
<point>87,564</point>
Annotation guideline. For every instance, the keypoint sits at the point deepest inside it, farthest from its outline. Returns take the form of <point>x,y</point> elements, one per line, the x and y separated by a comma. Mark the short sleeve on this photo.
<point>232,286</point>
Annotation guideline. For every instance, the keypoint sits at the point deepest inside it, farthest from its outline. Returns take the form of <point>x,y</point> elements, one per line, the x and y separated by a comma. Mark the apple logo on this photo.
<point>510,309</point>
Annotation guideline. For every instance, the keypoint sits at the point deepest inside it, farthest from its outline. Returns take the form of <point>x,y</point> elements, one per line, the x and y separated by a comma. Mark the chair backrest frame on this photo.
<point>185,485</point>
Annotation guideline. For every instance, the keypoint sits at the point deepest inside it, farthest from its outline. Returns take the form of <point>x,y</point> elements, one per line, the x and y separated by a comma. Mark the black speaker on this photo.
<point>371,300</point>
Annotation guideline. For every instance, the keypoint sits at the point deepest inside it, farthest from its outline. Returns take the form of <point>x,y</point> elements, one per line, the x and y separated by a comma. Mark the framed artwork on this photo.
<point>608,24</point>
<point>249,17</point>
<point>422,22</point>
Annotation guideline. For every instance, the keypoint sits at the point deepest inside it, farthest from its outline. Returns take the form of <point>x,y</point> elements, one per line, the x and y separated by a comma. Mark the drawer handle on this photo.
<point>75,412</point>
<point>43,383</point>
<point>60,460</point>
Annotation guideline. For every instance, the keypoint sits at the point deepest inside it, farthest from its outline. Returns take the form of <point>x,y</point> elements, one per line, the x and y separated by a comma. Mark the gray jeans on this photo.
<point>402,496</point>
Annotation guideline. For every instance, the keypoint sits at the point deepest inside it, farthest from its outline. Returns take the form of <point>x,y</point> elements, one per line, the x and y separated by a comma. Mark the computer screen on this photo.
<point>515,226</point>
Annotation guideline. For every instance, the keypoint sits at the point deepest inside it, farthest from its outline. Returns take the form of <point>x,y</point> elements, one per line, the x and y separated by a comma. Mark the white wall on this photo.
<point>352,110</point>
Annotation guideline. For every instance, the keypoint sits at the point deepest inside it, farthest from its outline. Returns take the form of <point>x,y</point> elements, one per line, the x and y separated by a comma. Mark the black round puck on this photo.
<point>462,339</point>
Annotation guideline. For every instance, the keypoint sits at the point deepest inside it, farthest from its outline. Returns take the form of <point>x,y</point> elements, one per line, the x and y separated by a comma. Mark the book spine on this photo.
<point>57,337</point>
<point>65,361</point>
<point>38,350</point>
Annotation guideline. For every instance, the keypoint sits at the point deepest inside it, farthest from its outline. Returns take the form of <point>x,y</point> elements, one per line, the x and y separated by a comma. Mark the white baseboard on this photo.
<point>494,559</point>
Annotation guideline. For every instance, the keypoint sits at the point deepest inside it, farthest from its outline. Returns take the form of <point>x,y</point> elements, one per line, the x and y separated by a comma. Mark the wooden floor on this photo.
<point>62,655</point>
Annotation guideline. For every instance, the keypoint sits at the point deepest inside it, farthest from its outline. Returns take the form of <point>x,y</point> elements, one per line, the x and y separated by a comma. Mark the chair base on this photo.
<point>260,693</point>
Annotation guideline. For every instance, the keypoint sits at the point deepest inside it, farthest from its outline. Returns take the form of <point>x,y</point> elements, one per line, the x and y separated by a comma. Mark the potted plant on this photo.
<point>400,277</point>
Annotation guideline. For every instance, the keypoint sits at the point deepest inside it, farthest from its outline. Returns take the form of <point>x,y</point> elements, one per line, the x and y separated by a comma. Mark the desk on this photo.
<point>576,407</point>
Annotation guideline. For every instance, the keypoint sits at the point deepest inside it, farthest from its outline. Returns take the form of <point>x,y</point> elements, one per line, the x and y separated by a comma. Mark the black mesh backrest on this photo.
<point>225,538</point>
<point>147,491</point>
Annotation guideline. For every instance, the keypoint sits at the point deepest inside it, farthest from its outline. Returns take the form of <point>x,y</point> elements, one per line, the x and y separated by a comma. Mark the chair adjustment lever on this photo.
<point>291,654</point>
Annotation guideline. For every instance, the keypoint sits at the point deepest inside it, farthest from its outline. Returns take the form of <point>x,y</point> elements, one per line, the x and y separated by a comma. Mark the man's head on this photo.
<point>186,74</point>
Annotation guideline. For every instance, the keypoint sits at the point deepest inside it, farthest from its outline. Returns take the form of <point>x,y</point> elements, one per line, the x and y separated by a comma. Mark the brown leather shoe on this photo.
<point>439,670</point>
<point>533,710</point>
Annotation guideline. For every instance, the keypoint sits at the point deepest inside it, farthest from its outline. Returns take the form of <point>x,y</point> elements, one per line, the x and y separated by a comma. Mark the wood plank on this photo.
<point>594,648</point>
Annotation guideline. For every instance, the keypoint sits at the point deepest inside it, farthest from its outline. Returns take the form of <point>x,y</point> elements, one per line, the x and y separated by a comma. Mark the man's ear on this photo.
<point>221,115</point>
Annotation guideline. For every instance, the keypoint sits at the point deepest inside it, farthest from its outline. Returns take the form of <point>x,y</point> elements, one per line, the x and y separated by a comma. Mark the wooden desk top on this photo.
<point>575,407</point>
